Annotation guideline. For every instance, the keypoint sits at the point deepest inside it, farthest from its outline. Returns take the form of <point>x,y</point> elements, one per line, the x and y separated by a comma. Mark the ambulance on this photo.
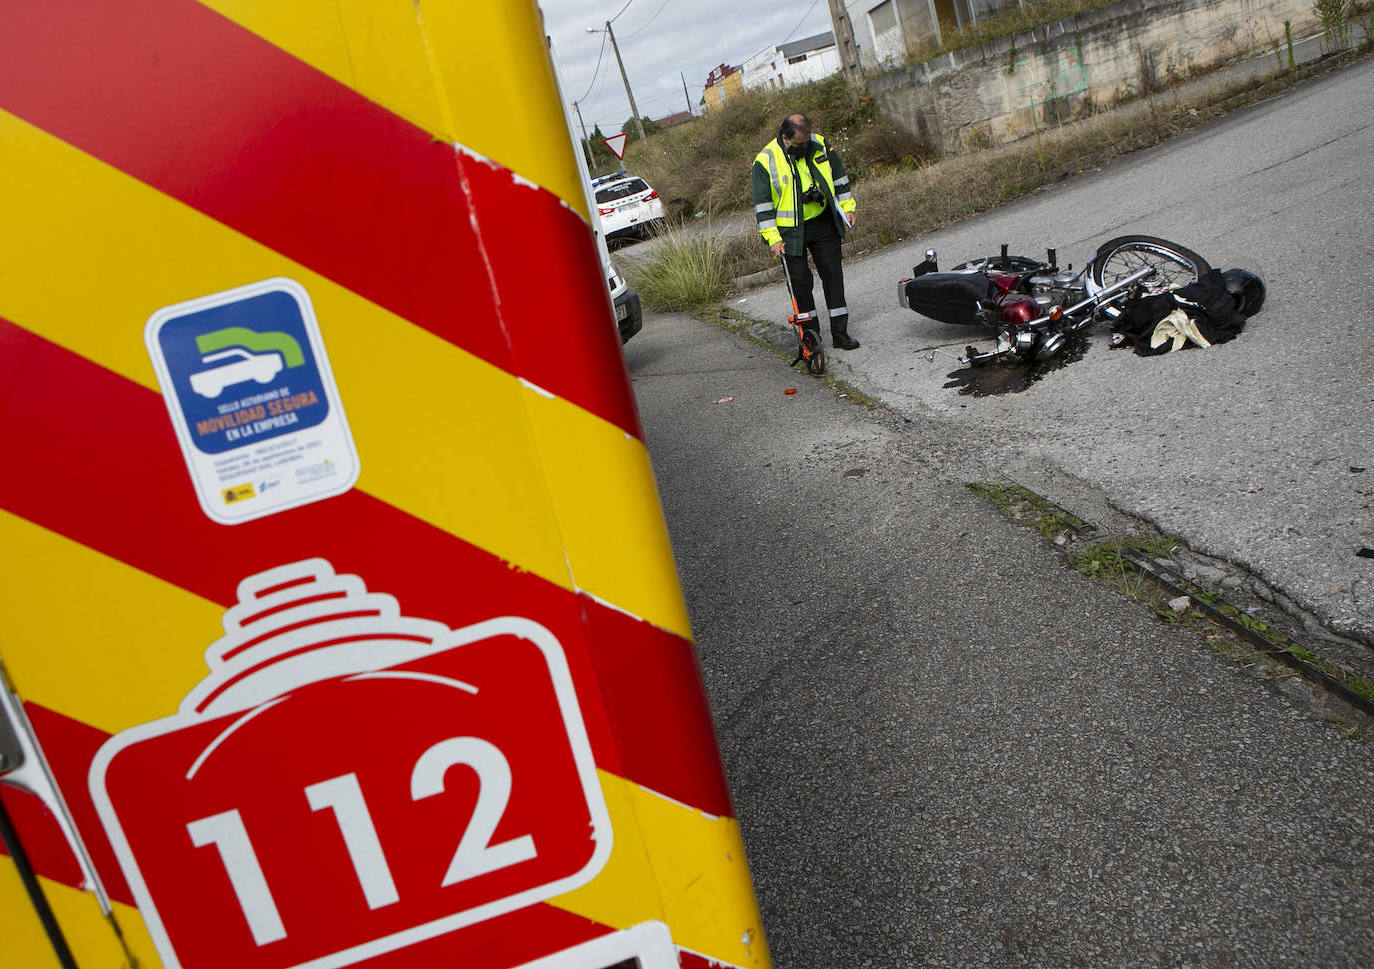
<point>338,621</point>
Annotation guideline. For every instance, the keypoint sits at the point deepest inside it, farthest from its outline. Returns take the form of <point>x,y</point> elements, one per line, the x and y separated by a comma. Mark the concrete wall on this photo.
<point>999,92</point>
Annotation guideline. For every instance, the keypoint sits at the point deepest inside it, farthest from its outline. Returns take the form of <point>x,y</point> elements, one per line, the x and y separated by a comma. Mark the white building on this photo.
<point>809,59</point>
<point>885,30</point>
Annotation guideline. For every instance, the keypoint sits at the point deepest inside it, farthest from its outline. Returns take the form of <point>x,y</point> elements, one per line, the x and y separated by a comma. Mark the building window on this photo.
<point>883,17</point>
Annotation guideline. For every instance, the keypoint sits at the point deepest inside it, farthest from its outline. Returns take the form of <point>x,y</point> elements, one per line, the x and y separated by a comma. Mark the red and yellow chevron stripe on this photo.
<point>395,160</point>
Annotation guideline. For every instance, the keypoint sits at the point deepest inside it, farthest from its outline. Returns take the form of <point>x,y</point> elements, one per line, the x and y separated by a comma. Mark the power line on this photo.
<point>622,10</point>
<point>596,70</point>
<point>802,21</point>
<point>659,11</point>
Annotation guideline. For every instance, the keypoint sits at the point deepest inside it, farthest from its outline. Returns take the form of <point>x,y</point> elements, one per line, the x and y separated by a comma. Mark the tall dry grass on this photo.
<point>704,165</point>
<point>683,272</point>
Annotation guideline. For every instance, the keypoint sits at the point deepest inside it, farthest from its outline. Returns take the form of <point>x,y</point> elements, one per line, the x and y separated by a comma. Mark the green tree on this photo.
<point>650,127</point>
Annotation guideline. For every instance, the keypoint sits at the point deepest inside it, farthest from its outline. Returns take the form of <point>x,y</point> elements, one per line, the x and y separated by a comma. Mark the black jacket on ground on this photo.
<point>1206,301</point>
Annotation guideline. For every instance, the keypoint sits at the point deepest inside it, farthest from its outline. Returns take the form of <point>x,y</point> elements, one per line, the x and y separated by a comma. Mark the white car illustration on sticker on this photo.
<point>240,367</point>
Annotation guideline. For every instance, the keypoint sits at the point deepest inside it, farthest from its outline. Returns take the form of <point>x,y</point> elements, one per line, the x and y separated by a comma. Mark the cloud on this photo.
<point>663,42</point>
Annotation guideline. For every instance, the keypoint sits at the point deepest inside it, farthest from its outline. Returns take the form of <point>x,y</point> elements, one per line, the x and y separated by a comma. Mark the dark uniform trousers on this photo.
<point>822,240</point>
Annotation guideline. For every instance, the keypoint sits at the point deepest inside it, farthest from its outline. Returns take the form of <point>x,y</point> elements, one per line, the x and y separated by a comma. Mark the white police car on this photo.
<point>626,205</point>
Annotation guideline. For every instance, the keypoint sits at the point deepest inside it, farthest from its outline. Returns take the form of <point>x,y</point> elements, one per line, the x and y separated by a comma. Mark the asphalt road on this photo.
<point>947,748</point>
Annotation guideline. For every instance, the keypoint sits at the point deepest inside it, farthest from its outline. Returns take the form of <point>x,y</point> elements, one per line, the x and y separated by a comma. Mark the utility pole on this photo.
<point>586,145</point>
<point>686,95</point>
<point>634,112</point>
<point>844,40</point>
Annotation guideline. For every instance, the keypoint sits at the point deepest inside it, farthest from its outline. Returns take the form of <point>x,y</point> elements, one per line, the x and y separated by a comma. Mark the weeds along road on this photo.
<point>1245,449</point>
<point>947,748</point>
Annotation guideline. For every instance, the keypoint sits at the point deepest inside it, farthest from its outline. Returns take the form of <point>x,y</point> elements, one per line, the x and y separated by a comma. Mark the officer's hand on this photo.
<point>849,218</point>
<point>777,248</point>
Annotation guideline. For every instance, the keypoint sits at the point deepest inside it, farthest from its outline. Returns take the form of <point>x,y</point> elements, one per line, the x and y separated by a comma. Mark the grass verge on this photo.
<point>1121,564</point>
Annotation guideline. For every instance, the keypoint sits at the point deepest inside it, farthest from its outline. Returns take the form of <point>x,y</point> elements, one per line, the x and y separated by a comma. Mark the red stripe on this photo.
<point>553,300</point>
<point>69,746</point>
<point>199,108</point>
<point>687,959</point>
<point>102,467</point>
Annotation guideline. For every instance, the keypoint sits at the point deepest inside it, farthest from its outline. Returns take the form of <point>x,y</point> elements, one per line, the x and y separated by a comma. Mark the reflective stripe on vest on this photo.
<point>770,157</point>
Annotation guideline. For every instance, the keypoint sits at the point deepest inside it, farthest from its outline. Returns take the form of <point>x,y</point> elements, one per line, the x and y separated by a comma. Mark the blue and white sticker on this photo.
<point>253,401</point>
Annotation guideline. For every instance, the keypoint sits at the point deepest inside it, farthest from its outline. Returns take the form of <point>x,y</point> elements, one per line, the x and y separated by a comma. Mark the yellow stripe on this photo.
<point>25,943</point>
<point>440,433</point>
<point>90,937</point>
<point>127,655</point>
<point>491,86</point>
<point>600,534</point>
<point>674,863</point>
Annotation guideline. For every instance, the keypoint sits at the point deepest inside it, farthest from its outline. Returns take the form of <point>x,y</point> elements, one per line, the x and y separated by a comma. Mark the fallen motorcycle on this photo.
<point>1036,306</point>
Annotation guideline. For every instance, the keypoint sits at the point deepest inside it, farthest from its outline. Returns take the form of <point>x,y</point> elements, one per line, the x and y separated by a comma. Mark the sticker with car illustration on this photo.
<point>252,400</point>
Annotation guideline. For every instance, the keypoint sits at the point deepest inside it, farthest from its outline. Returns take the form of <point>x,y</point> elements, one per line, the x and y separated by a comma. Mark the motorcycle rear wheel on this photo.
<point>1174,265</point>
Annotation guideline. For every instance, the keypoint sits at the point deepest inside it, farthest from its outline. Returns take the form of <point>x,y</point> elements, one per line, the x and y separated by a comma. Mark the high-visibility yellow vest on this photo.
<point>779,182</point>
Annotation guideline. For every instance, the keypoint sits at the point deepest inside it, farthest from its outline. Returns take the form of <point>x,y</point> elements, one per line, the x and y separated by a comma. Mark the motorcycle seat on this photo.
<point>955,297</point>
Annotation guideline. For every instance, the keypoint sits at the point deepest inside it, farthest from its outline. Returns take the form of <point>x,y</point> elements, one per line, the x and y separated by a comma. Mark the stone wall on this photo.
<point>1003,90</point>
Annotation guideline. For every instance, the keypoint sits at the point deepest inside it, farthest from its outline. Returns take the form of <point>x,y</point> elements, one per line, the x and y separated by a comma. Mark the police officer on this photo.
<point>802,204</point>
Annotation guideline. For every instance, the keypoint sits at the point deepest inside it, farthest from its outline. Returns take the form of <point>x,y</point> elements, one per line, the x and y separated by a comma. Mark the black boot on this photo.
<point>839,335</point>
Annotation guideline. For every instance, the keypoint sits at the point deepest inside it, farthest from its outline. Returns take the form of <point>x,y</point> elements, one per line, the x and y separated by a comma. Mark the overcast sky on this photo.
<point>661,42</point>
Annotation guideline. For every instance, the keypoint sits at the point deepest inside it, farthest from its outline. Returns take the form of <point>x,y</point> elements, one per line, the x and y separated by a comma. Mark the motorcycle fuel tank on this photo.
<point>1019,310</point>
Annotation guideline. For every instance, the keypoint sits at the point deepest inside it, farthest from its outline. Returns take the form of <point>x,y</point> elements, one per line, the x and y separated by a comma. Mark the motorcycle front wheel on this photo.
<point>1173,265</point>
